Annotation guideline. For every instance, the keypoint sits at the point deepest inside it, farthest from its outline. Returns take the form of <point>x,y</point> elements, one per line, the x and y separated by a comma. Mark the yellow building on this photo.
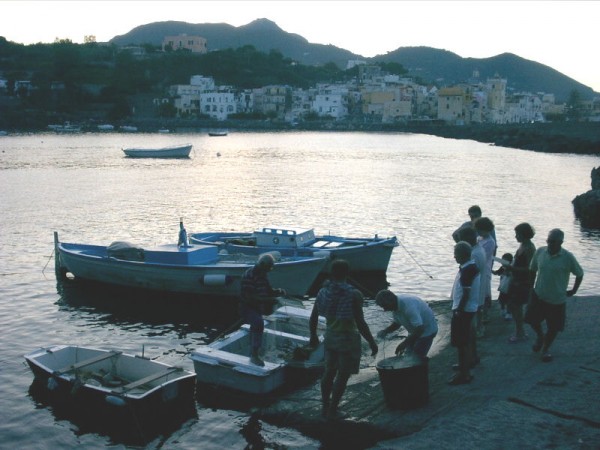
<point>452,105</point>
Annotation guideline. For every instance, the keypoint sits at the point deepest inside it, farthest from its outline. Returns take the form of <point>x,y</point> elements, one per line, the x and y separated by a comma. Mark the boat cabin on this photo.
<point>284,237</point>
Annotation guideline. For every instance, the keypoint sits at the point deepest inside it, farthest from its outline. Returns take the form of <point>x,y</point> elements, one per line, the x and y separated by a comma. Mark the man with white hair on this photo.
<point>465,301</point>
<point>553,266</point>
<point>415,315</point>
<point>256,294</point>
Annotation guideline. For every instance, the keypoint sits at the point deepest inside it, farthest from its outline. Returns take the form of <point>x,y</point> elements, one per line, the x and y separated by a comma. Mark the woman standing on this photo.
<point>521,279</point>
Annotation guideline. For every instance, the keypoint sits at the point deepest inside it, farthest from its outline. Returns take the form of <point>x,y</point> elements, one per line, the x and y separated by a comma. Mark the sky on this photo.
<point>559,34</point>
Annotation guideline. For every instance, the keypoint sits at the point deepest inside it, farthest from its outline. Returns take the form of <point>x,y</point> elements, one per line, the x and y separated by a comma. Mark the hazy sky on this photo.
<point>560,34</point>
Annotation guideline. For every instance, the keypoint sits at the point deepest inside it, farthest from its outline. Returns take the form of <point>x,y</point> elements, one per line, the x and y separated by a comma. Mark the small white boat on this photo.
<point>192,269</point>
<point>128,128</point>
<point>363,254</point>
<point>286,354</point>
<point>106,127</point>
<point>218,133</point>
<point>67,128</point>
<point>177,151</point>
<point>164,131</point>
<point>101,377</point>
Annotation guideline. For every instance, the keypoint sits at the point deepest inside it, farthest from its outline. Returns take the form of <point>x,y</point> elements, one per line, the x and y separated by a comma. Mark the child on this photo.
<point>504,285</point>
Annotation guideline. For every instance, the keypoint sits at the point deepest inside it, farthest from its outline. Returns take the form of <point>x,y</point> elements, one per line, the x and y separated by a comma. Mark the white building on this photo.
<point>218,105</point>
<point>332,101</point>
<point>524,108</point>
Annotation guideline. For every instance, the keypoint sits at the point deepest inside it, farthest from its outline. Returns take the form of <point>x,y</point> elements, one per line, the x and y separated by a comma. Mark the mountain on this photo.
<point>429,64</point>
<point>263,34</point>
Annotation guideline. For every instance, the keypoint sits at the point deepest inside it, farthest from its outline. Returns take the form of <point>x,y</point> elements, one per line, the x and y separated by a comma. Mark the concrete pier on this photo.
<point>515,400</point>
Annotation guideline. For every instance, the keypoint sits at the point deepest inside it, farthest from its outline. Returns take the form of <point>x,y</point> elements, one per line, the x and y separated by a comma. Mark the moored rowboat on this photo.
<point>177,151</point>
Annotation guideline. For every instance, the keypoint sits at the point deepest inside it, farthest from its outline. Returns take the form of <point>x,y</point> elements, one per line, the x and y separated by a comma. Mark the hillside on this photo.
<point>446,67</point>
<point>263,34</point>
<point>429,64</point>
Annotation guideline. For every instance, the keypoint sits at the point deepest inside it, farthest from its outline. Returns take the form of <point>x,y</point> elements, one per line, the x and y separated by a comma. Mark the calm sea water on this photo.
<point>357,184</point>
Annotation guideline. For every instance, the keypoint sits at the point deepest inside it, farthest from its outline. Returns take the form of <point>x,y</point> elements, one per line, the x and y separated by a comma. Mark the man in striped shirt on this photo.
<point>256,294</point>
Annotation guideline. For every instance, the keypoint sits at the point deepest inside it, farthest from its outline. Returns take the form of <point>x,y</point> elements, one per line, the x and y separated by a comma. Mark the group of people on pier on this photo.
<point>535,278</point>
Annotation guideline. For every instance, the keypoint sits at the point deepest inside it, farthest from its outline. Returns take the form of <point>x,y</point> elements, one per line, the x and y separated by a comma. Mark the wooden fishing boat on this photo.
<point>191,269</point>
<point>363,254</point>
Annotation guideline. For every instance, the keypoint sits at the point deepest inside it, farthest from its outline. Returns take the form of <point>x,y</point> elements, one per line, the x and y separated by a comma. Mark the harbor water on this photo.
<point>415,187</point>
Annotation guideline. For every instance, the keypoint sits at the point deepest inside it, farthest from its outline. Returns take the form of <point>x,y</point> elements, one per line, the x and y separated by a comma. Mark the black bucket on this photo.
<point>405,381</point>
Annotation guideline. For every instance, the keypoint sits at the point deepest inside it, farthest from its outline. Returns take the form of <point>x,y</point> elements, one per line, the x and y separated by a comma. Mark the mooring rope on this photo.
<point>416,262</point>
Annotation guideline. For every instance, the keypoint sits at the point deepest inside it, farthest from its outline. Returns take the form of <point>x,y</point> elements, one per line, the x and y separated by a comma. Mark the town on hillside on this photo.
<point>373,96</point>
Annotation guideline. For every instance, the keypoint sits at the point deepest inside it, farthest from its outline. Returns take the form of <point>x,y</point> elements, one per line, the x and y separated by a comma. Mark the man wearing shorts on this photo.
<point>465,301</point>
<point>552,266</point>
<point>341,305</point>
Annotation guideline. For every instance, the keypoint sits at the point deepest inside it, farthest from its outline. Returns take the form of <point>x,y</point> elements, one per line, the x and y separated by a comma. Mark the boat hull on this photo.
<point>167,152</point>
<point>111,380</point>
<point>172,269</point>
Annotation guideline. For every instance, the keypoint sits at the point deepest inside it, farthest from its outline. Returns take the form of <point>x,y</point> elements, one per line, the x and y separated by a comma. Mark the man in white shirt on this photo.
<point>413,314</point>
<point>465,301</point>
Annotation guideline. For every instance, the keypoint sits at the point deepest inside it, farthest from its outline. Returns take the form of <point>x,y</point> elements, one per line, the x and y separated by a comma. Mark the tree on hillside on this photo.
<point>574,105</point>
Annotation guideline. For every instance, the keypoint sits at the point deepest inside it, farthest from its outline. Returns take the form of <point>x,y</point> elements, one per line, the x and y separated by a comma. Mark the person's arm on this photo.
<point>525,270</point>
<point>572,292</point>
<point>466,280</point>
<point>392,327</point>
<point>456,234</point>
<point>464,299</point>
<point>312,325</point>
<point>361,324</point>
<point>410,339</point>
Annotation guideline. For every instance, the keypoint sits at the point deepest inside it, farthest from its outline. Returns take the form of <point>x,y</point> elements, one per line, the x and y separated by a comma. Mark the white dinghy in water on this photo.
<point>287,354</point>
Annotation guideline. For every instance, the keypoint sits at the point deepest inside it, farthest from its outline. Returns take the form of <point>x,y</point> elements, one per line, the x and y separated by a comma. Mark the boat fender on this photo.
<point>214,280</point>
<point>76,386</point>
<point>114,400</point>
<point>322,254</point>
<point>52,384</point>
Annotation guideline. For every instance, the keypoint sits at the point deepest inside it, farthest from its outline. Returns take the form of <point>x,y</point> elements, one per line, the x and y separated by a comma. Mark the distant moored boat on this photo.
<point>177,151</point>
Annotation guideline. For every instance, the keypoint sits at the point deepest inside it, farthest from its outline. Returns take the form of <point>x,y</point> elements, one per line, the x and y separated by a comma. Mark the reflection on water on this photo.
<point>121,425</point>
<point>415,187</point>
<point>163,313</point>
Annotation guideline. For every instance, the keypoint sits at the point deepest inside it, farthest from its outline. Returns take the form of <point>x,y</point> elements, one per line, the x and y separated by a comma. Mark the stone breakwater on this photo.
<point>587,205</point>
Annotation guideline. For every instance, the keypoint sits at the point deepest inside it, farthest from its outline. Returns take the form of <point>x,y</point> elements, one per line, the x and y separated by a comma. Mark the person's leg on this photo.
<point>461,337</point>
<point>516,310</point>
<point>534,316</point>
<point>339,386</point>
<point>257,326</point>
<point>555,322</point>
<point>479,326</point>
<point>331,368</point>
<point>464,362</point>
<point>472,347</point>
<point>549,339</point>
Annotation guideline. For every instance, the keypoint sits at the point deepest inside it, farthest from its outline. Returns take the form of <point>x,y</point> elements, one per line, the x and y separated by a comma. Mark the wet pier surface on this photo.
<point>514,401</point>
